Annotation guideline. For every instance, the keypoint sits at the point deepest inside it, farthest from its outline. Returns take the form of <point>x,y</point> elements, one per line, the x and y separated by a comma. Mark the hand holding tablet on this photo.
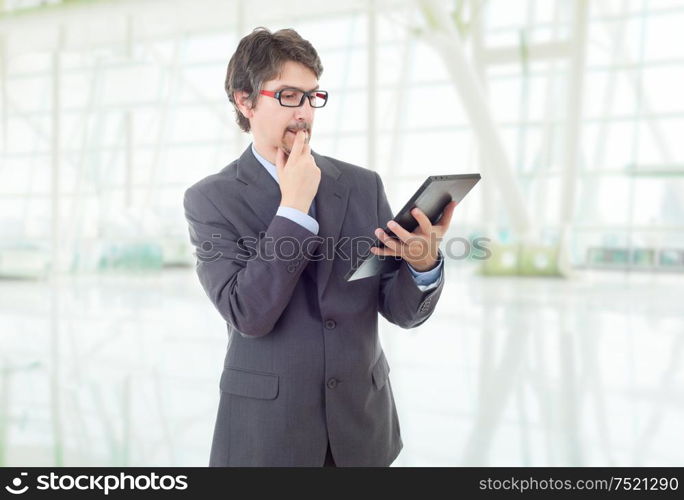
<point>431,198</point>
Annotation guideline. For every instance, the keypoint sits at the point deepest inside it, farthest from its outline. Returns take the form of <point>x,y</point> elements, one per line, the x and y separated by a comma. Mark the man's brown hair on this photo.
<point>259,58</point>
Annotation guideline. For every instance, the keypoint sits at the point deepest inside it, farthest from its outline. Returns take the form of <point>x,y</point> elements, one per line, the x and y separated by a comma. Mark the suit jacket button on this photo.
<point>330,324</point>
<point>332,383</point>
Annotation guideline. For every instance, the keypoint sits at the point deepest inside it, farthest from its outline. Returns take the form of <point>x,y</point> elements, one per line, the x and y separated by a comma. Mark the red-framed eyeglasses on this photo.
<point>294,98</point>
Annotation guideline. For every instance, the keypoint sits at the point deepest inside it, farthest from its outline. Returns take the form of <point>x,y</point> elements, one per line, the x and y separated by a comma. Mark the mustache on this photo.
<point>300,126</point>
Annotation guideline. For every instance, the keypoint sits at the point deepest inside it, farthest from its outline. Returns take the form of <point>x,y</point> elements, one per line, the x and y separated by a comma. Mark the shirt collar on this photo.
<point>270,167</point>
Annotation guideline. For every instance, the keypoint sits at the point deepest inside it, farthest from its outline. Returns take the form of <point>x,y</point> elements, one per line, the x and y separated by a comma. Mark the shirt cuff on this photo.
<point>427,280</point>
<point>299,217</point>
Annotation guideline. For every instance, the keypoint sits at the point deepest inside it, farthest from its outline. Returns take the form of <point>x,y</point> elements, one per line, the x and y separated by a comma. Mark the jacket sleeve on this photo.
<point>401,301</point>
<point>248,279</point>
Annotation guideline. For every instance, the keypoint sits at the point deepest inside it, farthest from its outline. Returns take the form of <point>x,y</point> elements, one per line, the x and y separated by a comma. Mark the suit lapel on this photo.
<point>262,194</point>
<point>331,207</point>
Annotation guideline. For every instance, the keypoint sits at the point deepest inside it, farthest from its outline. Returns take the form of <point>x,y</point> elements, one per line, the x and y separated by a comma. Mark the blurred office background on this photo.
<point>564,348</point>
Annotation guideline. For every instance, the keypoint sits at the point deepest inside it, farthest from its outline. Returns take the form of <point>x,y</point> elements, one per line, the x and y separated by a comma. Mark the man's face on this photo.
<point>273,125</point>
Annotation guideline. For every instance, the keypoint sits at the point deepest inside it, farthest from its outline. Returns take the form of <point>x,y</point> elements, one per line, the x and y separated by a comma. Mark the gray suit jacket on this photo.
<point>303,364</point>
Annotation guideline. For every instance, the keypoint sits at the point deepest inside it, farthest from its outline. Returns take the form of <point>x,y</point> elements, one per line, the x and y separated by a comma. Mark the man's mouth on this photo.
<point>294,133</point>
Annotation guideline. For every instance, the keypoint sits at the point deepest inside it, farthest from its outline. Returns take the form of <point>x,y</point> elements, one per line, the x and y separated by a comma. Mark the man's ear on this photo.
<point>243,103</point>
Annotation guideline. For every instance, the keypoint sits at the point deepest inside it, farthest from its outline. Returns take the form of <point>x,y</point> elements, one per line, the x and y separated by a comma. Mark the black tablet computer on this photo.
<point>432,197</point>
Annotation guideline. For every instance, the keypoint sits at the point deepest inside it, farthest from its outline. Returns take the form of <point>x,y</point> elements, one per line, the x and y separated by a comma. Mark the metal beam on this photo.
<point>239,136</point>
<point>165,120</point>
<point>128,123</point>
<point>535,52</point>
<point>574,104</point>
<point>446,40</point>
<point>479,66</point>
<point>372,136</point>
<point>55,358</point>
<point>3,91</point>
<point>160,16</point>
<point>394,152</point>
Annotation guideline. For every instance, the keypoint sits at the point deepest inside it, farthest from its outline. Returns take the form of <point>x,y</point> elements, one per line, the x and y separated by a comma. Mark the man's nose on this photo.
<point>305,111</point>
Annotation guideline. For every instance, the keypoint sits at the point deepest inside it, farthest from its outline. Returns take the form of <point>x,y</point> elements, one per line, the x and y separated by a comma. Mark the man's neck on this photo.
<point>268,153</point>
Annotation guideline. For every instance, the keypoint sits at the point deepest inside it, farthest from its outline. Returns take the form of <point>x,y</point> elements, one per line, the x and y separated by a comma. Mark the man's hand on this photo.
<point>419,248</point>
<point>298,174</point>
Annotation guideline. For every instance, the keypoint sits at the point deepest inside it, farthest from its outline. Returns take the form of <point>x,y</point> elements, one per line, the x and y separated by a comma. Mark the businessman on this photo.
<point>305,381</point>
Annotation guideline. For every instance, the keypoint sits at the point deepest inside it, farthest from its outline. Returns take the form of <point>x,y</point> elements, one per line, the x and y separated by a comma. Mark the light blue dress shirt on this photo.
<point>425,280</point>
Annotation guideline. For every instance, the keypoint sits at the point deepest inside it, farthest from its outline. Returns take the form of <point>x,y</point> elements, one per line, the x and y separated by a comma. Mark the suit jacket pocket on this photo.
<point>258,385</point>
<point>380,371</point>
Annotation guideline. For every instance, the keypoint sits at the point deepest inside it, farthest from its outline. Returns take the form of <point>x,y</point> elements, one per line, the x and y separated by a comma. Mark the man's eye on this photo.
<point>288,95</point>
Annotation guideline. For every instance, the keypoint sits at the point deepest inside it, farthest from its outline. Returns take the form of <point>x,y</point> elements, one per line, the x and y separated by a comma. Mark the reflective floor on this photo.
<point>123,371</point>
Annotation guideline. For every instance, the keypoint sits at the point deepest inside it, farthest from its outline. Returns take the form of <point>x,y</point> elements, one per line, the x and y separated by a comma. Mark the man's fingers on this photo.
<point>388,241</point>
<point>445,219</point>
<point>423,220</point>
<point>306,147</point>
<point>402,233</point>
<point>298,144</point>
